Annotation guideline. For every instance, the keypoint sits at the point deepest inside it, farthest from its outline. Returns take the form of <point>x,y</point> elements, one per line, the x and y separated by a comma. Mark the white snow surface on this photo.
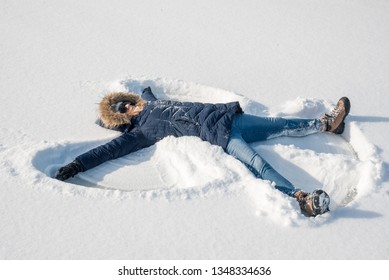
<point>184,198</point>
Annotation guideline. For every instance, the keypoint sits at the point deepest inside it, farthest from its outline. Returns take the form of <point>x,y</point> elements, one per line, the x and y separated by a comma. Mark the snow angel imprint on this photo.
<point>144,120</point>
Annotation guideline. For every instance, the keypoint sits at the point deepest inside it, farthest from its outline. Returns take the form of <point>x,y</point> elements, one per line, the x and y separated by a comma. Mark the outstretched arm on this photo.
<point>118,147</point>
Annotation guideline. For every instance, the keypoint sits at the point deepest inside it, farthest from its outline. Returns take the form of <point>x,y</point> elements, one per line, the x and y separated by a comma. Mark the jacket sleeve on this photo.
<point>126,143</point>
<point>148,95</point>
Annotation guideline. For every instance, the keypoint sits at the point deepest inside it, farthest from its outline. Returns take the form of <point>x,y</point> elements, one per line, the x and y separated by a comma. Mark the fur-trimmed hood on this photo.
<point>109,117</point>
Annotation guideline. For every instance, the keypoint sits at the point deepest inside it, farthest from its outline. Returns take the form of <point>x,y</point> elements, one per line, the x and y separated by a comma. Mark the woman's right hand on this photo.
<point>69,170</point>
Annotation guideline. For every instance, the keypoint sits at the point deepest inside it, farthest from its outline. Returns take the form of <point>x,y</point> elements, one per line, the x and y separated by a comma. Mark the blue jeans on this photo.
<point>247,129</point>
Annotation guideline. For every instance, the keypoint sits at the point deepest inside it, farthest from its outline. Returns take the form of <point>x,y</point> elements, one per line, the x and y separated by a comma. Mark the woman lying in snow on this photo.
<point>146,120</point>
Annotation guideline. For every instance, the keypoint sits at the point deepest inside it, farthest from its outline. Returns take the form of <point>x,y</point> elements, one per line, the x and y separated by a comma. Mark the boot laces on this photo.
<point>335,111</point>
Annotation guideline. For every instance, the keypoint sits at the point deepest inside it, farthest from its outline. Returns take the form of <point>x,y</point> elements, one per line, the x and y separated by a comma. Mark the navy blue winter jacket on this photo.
<point>161,118</point>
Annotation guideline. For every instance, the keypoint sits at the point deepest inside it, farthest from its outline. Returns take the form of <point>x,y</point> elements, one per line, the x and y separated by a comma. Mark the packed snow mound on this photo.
<point>347,167</point>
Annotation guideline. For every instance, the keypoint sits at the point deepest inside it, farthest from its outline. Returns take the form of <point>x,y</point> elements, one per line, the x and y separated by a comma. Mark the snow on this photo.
<point>184,198</point>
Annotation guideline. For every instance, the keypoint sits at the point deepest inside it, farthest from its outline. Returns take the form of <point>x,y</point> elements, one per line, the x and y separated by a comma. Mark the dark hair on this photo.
<point>120,107</point>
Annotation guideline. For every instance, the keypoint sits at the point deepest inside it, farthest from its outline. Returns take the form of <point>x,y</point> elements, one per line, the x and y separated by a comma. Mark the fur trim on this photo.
<point>112,119</point>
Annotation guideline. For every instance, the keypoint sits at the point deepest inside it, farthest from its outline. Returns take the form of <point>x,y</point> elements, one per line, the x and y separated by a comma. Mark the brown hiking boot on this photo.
<point>304,202</point>
<point>334,121</point>
<point>313,204</point>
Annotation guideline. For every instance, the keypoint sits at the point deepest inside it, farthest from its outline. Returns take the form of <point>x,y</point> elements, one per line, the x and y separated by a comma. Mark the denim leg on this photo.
<point>254,128</point>
<point>239,148</point>
<point>248,128</point>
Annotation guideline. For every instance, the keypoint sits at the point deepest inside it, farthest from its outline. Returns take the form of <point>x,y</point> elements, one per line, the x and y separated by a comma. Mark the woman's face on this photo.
<point>129,108</point>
